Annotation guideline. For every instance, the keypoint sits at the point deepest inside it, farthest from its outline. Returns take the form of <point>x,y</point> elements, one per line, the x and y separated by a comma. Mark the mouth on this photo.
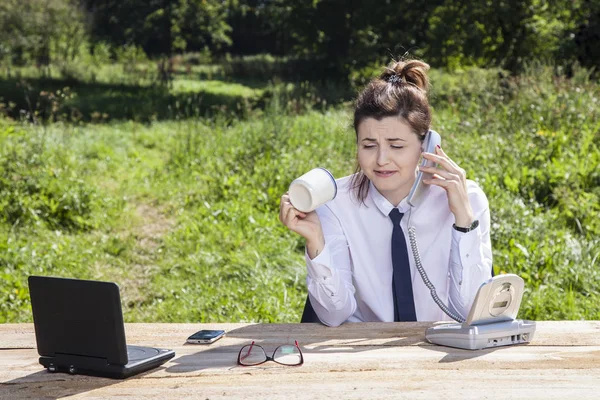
<point>384,174</point>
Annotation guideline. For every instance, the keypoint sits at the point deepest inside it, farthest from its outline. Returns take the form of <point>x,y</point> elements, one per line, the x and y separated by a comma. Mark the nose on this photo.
<point>382,157</point>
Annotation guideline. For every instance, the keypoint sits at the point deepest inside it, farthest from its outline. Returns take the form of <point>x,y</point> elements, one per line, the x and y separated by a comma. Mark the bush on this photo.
<point>265,67</point>
<point>38,186</point>
<point>203,57</point>
<point>530,141</point>
<point>129,56</point>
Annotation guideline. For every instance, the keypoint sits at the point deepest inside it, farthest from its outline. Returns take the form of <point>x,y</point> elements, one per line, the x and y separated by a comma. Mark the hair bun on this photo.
<point>412,71</point>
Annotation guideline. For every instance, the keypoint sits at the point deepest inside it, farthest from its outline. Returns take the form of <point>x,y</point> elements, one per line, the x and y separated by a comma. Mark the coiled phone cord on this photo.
<point>415,250</point>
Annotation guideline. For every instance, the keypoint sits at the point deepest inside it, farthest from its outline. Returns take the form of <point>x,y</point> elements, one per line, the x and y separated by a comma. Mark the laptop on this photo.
<point>79,329</point>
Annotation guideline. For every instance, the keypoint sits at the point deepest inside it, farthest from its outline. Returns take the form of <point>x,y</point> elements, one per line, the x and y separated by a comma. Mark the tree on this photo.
<point>161,27</point>
<point>39,30</point>
<point>508,33</point>
<point>343,35</point>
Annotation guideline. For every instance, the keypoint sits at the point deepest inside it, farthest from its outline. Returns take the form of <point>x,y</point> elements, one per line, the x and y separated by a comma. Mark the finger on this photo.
<point>290,215</point>
<point>441,151</point>
<point>444,183</point>
<point>299,214</point>
<point>283,209</point>
<point>437,158</point>
<point>436,182</point>
<point>283,214</point>
<point>445,162</point>
<point>440,173</point>
<point>285,199</point>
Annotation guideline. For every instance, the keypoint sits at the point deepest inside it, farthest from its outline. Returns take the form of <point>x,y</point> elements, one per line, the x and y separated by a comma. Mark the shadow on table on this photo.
<point>216,357</point>
<point>47,385</point>
<point>313,339</point>
<point>455,355</point>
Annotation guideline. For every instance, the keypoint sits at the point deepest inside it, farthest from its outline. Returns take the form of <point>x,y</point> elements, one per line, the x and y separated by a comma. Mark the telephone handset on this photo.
<point>419,189</point>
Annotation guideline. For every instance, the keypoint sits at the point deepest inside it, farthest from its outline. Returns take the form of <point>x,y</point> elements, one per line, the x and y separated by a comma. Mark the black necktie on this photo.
<point>404,304</point>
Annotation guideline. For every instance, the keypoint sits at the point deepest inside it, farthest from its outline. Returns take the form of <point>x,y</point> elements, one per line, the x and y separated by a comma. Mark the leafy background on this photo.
<point>151,148</point>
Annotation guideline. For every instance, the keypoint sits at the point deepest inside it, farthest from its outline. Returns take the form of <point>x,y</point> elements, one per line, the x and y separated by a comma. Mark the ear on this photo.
<point>423,139</point>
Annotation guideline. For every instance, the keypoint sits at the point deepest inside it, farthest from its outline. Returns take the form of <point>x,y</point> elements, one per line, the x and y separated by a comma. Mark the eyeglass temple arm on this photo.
<point>249,350</point>
<point>300,350</point>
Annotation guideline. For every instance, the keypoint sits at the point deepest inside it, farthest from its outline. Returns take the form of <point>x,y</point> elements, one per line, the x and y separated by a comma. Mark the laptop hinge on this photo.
<point>57,354</point>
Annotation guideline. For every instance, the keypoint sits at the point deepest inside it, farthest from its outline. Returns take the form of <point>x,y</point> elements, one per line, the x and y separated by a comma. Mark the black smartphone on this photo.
<point>205,336</point>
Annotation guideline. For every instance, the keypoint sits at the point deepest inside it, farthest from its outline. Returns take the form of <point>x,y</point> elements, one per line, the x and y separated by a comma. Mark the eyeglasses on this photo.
<point>254,354</point>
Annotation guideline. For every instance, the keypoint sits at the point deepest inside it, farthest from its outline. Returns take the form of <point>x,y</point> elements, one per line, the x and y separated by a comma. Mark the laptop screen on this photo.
<point>78,317</point>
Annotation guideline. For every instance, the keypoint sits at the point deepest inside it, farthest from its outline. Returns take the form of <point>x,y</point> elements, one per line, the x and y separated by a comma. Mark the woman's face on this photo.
<point>388,154</point>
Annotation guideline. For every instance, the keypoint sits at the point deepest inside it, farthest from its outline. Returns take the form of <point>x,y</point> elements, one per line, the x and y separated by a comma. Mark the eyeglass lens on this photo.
<point>287,355</point>
<point>253,354</point>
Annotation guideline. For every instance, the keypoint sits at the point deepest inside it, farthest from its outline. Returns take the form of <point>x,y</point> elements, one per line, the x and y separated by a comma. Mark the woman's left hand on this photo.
<point>453,179</point>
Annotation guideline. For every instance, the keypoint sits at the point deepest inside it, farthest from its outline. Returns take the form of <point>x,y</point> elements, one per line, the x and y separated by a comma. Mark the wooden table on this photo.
<point>354,361</point>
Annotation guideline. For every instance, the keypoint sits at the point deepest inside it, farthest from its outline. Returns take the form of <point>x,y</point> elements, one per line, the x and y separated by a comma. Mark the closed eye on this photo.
<point>372,146</point>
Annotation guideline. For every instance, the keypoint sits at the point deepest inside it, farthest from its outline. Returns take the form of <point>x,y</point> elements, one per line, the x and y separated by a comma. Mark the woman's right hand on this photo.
<point>306,225</point>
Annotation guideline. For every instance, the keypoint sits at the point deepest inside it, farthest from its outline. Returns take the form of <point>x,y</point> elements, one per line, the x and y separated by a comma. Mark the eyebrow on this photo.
<point>389,140</point>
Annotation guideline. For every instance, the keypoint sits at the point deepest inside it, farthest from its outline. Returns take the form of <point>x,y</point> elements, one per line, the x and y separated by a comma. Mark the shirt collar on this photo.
<point>383,204</point>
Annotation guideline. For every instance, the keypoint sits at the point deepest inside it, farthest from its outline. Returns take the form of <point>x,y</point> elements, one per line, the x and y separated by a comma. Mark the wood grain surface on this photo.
<point>353,361</point>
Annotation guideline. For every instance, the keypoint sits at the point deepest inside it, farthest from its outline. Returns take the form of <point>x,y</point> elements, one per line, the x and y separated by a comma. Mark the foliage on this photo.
<point>41,188</point>
<point>130,89</point>
<point>183,213</point>
<point>161,28</point>
<point>72,100</point>
<point>38,31</point>
<point>336,37</point>
<point>533,143</point>
<point>346,36</point>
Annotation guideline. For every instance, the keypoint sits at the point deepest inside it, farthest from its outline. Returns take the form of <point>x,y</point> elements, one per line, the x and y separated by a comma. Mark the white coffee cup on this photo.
<point>314,188</point>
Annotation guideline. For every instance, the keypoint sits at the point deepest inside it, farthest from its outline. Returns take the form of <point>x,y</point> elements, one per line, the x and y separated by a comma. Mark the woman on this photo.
<point>360,264</point>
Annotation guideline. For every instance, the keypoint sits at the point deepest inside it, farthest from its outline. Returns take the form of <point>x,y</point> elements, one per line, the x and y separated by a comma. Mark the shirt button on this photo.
<point>467,256</point>
<point>460,282</point>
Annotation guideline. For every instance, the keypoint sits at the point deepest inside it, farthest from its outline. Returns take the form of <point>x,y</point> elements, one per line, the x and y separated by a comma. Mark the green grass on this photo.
<point>78,92</point>
<point>216,87</point>
<point>183,213</point>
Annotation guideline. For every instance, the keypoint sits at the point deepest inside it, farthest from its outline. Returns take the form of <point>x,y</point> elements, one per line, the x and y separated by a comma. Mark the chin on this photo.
<point>386,185</point>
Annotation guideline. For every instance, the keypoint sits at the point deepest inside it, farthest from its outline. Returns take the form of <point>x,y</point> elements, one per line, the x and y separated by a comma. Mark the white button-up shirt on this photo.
<point>351,279</point>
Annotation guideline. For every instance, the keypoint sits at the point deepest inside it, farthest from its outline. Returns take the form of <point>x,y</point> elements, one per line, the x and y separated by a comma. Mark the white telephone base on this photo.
<point>477,337</point>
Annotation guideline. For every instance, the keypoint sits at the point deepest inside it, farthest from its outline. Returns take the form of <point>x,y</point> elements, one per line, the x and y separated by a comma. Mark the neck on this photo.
<point>397,195</point>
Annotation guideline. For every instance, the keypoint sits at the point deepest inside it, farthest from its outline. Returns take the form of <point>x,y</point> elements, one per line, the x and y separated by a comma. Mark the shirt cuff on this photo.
<point>469,244</point>
<point>326,280</point>
<point>318,268</point>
